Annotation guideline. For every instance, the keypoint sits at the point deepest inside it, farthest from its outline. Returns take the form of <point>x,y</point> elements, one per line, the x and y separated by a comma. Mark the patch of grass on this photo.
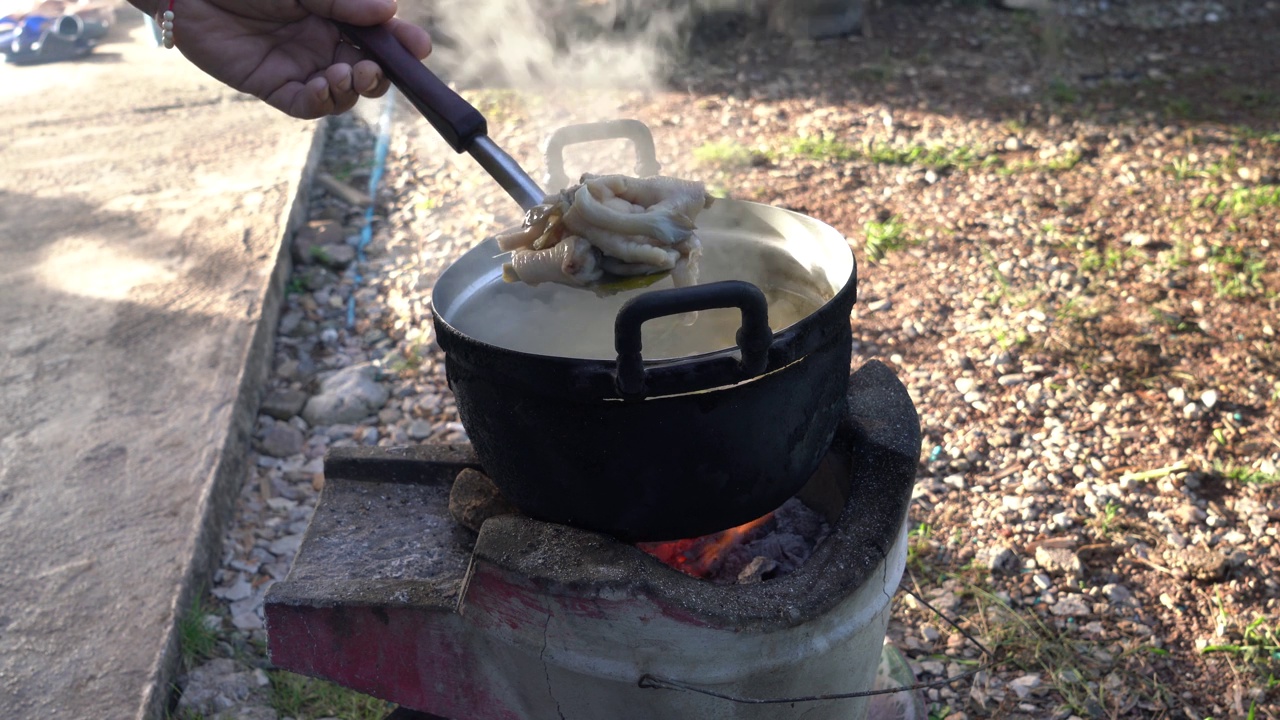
<point>196,639</point>
<point>1179,108</point>
<point>1059,163</point>
<point>824,148</point>
<point>726,155</point>
<point>1104,520</point>
<point>1249,98</point>
<point>1070,666</point>
<point>884,237</point>
<point>1257,643</point>
<point>295,286</point>
<point>306,698</point>
<point>1243,202</point>
<point>935,157</point>
<point>1245,475</point>
<point>320,255</point>
<point>1062,93</point>
<point>1236,273</point>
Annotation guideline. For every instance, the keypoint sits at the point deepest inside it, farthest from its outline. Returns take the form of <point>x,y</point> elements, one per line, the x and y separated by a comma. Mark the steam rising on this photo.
<point>565,44</point>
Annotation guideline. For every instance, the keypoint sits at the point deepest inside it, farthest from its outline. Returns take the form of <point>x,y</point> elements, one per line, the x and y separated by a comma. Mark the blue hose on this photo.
<point>375,178</point>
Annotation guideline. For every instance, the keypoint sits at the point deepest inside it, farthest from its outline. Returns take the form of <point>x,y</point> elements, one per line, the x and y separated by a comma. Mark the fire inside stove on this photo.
<point>763,549</point>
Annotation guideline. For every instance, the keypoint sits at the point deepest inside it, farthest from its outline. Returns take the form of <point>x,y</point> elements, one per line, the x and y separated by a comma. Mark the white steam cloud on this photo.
<point>543,44</point>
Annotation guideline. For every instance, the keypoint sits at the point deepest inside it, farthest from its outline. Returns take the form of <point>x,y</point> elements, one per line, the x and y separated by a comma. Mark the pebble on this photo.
<point>1022,686</point>
<point>347,396</point>
<point>965,385</point>
<point>1209,398</point>
<point>282,441</point>
<point>1063,561</point>
<point>1071,606</point>
<point>284,403</point>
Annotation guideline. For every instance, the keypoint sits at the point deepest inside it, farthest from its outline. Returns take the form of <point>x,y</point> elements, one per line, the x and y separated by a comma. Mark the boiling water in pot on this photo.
<point>555,320</point>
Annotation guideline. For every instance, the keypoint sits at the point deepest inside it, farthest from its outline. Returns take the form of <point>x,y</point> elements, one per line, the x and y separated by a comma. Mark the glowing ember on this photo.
<point>766,547</point>
<point>701,556</point>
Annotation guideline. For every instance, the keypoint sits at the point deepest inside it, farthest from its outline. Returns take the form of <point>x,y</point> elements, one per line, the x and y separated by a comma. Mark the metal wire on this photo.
<point>655,682</point>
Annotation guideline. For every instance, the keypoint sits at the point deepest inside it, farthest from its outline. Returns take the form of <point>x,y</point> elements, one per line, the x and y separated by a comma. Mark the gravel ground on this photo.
<point>1066,237</point>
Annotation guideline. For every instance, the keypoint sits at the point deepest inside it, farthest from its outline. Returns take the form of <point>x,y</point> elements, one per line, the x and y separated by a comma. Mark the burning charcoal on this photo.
<point>474,499</point>
<point>760,568</point>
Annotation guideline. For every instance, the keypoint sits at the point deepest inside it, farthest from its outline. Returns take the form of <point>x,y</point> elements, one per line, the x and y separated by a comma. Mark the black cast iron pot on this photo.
<point>630,414</point>
<point>576,424</point>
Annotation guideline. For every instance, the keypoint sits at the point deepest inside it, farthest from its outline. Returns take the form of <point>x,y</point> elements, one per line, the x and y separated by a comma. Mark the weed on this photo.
<point>884,237</point>
<point>306,698</point>
<point>1059,163</point>
<point>1105,520</point>
<point>1249,98</point>
<point>295,286</point>
<point>1258,643</point>
<point>1245,475</point>
<point>196,639</point>
<point>1242,202</point>
<point>1062,93</point>
<point>320,255</point>
<point>824,148</point>
<point>1236,273</point>
<point>725,155</point>
<point>1179,108</point>
<point>935,157</point>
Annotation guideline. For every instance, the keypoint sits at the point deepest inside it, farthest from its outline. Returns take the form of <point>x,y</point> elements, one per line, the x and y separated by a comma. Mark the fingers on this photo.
<point>368,80</point>
<point>415,39</point>
<point>356,12</point>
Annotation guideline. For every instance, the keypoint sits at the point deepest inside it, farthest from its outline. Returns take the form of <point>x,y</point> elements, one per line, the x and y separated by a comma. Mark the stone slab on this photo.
<point>142,212</point>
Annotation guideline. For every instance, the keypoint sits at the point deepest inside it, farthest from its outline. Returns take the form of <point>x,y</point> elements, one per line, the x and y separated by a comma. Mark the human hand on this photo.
<point>287,52</point>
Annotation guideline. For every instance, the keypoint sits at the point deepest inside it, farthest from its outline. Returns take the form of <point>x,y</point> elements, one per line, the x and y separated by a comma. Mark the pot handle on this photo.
<point>754,335</point>
<point>634,130</point>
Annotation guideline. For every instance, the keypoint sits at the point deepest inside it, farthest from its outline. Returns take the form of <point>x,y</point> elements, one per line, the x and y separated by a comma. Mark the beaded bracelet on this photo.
<point>166,26</point>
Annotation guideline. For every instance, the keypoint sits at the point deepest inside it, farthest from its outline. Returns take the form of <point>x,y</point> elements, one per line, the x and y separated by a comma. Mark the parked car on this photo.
<point>52,30</point>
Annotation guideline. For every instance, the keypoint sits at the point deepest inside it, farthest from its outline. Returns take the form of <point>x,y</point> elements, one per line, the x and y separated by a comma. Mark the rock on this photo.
<point>1177,396</point>
<point>1071,606</point>
<point>1118,594</point>
<point>1188,514</point>
<point>1063,561</point>
<point>283,404</point>
<point>420,430</point>
<point>1000,560</point>
<point>965,385</point>
<point>287,545</point>
<point>240,590</point>
<point>1209,398</point>
<point>1042,582</point>
<point>1022,686</point>
<point>347,396</point>
<point>1200,563</point>
<point>215,687</point>
<point>247,620</point>
<point>336,257</point>
<point>282,441</point>
<point>474,499</point>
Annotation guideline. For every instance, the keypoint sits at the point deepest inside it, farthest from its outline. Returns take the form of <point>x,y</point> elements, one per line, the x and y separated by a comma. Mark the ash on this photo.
<point>776,548</point>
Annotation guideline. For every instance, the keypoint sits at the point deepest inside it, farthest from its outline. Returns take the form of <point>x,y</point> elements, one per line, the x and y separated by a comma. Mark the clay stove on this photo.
<point>391,597</point>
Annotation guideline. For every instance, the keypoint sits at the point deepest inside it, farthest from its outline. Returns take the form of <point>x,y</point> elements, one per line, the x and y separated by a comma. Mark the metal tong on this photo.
<point>457,121</point>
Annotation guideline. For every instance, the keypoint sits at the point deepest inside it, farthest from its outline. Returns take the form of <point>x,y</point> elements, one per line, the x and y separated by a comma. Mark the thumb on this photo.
<point>356,12</point>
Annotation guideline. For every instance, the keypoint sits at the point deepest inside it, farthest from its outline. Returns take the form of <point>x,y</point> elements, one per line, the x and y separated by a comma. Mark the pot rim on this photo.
<point>596,378</point>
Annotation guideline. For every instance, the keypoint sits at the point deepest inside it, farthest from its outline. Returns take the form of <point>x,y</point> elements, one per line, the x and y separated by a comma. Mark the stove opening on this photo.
<point>762,549</point>
<point>771,546</point>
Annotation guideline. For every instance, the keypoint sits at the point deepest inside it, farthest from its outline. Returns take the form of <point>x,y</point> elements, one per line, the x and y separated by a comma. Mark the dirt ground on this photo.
<point>1066,234</point>
<point>1066,230</point>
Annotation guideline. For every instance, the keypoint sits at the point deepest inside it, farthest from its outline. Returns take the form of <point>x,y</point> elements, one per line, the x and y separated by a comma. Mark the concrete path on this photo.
<point>142,212</point>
